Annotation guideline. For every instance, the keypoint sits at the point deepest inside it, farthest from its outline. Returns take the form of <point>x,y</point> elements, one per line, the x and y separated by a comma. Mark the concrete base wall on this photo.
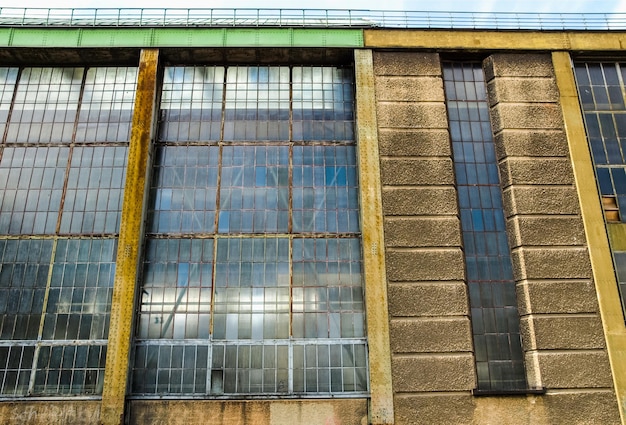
<point>270,412</point>
<point>49,412</point>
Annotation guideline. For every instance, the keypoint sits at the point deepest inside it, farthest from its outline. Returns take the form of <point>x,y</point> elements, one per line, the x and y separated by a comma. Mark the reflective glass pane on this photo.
<point>32,180</point>
<point>325,193</point>
<point>184,190</point>
<point>81,288</point>
<point>257,103</point>
<point>175,301</point>
<point>8,80</point>
<point>24,267</point>
<point>95,188</point>
<point>45,107</point>
<point>254,189</point>
<point>191,104</point>
<point>323,103</point>
<point>106,110</point>
<point>252,289</point>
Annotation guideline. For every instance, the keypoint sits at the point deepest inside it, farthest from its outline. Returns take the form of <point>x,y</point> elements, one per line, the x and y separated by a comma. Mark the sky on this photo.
<point>520,6</point>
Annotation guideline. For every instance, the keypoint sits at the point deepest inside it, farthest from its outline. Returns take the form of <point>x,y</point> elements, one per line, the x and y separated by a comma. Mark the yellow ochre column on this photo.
<point>595,230</point>
<point>131,229</point>
<point>381,402</point>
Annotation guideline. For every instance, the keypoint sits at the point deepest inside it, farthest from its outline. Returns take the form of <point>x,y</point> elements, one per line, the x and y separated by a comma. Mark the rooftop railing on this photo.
<point>328,18</point>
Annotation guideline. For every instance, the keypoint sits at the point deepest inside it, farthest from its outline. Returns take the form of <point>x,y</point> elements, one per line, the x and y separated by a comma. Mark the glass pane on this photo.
<point>252,289</point>
<point>24,266</point>
<point>81,288</point>
<point>95,188</point>
<point>70,370</point>
<point>45,105</point>
<point>8,80</point>
<point>254,189</point>
<point>184,190</point>
<point>323,107</point>
<point>325,193</point>
<point>176,294</point>
<point>32,180</point>
<point>257,103</point>
<point>106,110</point>
<point>191,104</point>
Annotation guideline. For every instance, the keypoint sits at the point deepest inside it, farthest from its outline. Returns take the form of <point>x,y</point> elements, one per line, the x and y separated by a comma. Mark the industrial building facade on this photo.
<point>331,225</point>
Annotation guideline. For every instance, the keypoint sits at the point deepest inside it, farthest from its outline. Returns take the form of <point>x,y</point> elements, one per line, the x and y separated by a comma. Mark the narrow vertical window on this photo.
<point>494,313</point>
<point>252,265</point>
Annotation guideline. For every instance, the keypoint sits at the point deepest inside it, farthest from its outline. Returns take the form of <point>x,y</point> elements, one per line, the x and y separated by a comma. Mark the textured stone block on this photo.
<point>529,116</point>
<point>573,369</point>
<point>434,409</point>
<point>428,265</point>
<point>409,142</point>
<point>419,201</point>
<point>546,231</point>
<point>522,89</point>
<point>415,172</point>
<point>540,200</point>
<point>427,299</point>
<point>433,373</point>
<point>562,332</point>
<point>431,335</point>
<point>409,89</point>
<point>518,65</point>
<point>538,263</point>
<point>406,63</point>
<point>412,115</point>
<point>422,232</point>
<point>567,296</point>
<point>593,408</point>
<point>531,143</point>
<point>536,171</point>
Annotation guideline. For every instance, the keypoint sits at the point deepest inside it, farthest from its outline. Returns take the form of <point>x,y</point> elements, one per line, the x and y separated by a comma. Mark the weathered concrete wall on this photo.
<point>50,412</point>
<point>270,412</point>
<point>431,339</point>
<point>561,327</point>
<point>433,364</point>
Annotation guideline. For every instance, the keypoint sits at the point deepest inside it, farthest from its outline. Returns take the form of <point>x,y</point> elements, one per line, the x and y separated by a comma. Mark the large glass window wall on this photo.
<point>62,167</point>
<point>252,262</point>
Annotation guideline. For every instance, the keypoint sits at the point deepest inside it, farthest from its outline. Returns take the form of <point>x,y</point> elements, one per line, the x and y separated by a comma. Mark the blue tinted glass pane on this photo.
<point>604,179</point>
<point>619,180</point>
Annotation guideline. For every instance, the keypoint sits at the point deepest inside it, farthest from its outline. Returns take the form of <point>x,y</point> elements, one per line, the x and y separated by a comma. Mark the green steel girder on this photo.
<point>180,37</point>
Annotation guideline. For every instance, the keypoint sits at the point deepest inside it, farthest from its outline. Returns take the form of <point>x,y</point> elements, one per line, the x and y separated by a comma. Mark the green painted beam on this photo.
<point>180,37</point>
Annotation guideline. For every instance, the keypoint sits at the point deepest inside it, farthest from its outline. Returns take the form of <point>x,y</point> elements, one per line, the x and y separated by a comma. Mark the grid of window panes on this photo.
<point>252,270</point>
<point>61,181</point>
<point>601,90</point>
<point>495,318</point>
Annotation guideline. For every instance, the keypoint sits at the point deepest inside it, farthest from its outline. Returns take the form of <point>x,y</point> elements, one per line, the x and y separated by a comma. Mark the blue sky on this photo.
<point>535,6</point>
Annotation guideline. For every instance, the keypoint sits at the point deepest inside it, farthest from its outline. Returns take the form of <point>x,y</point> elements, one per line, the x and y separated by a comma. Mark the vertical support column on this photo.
<point>131,230</point>
<point>381,403</point>
<point>595,231</point>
